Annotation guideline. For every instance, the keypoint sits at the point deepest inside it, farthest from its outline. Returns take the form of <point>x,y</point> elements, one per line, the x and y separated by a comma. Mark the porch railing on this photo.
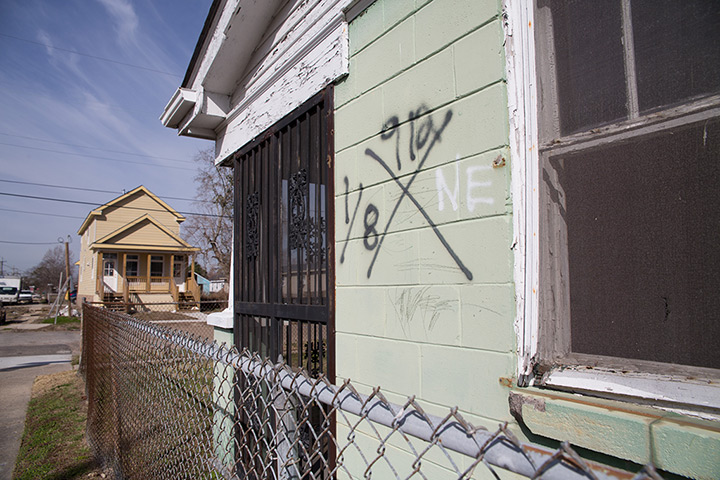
<point>174,291</point>
<point>193,287</point>
<point>149,284</point>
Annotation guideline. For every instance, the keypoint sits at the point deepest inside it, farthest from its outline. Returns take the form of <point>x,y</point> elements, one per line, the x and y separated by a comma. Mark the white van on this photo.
<point>9,290</point>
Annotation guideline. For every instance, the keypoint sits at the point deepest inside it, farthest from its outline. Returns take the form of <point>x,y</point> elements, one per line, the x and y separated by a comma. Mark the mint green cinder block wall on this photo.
<point>425,295</point>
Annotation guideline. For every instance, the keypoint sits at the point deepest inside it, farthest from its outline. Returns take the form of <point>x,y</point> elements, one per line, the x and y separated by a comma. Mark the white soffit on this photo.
<point>305,49</point>
<point>179,105</point>
<point>262,59</point>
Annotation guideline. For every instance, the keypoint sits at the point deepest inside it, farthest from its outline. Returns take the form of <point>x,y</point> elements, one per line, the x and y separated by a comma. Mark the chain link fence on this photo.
<point>190,318</point>
<point>167,404</point>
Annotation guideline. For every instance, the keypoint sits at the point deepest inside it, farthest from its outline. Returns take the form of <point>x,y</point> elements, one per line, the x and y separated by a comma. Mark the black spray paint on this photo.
<point>426,132</point>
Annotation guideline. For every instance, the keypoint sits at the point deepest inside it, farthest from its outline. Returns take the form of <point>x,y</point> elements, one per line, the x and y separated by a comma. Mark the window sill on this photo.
<point>676,443</point>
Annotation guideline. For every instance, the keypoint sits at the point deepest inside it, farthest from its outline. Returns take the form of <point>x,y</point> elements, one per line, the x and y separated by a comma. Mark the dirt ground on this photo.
<point>19,316</point>
<point>26,313</point>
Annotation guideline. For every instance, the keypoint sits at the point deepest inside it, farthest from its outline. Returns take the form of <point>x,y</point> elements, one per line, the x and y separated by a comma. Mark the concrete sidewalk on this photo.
<point>23,356</point>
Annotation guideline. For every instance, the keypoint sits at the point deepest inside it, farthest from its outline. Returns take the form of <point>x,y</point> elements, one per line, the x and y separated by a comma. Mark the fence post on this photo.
<point>285,433</point>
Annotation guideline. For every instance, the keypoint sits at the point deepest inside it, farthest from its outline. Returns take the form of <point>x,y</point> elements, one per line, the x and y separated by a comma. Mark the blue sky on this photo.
<point>88,120</point>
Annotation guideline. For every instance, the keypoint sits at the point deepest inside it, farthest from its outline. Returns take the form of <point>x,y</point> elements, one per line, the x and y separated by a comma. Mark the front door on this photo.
<point>179,272</point>
<point>110,274</point>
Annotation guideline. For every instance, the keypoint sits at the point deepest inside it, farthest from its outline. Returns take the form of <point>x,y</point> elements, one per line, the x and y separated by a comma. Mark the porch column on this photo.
<point>98,278</point>
<point>122,258</point>
<point>192,266</point>
<point>125,286</point>
<point>171,280</point>
<point>147,278</point>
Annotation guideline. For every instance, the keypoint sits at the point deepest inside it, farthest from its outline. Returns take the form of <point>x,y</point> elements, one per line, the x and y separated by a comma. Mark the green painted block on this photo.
<point>487,313</point>
<point>345,88</point>
<point>426,85</point>
<point>420,210</point>
<point>223,335</point>
<point>473,125</point>
<point>425,314</point>
<point>360,310</point>
<point>396,10</point>
<point>346,271</point>
<point>386,57</point>
<point>441,22</point>
<point>360,207</point>
<point>477,251</point>
<point>686,449</point>
<point>370,171</point>
<point>366,28</point>
<point>358,120</point>
<point>479,59</point>
<point>470,188</point>
<point>396,263</point>
<point>394,365</point>
<point>446,379</point>
<point>346,360</point>
<point>346,166</point>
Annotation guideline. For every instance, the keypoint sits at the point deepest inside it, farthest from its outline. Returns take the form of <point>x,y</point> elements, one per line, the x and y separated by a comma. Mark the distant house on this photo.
<point>131,253</point>
<point>210,286</point>
<point>203,282</point>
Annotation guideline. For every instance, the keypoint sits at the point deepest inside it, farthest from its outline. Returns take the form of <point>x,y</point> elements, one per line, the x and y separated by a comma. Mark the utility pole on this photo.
<point>2,264</point>
<point>67,274</point>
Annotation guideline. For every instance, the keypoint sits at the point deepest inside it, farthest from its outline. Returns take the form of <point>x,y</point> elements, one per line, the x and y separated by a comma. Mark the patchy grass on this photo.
<point>62,320</point>
<point>53,444</point>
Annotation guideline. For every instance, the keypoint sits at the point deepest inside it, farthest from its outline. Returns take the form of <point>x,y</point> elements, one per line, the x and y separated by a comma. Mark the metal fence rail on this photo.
<point>166,404</point>
<point>191,318</point>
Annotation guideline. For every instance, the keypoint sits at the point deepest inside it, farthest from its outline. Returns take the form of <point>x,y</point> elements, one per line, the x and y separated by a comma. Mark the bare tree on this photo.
<point>47,272</point>
<point>212,231</point>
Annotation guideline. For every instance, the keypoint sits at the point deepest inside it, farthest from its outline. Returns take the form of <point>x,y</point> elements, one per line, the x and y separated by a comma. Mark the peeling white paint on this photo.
<point>518,24</point>
<point>263,59</point>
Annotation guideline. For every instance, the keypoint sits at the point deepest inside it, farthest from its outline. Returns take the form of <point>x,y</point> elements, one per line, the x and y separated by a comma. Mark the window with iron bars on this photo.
<point>284,265</point>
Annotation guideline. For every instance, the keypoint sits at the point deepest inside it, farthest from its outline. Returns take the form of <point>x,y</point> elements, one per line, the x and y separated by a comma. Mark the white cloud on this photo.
<point>125,18</point>
<point>44,38</point>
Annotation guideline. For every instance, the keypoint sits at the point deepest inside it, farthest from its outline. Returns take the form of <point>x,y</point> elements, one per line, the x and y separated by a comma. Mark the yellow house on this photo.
<point>131,253</point>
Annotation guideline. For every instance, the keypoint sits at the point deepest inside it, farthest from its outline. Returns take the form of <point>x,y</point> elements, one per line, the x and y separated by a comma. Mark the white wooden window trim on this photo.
<point>522,103</point>
<point>677,391</point>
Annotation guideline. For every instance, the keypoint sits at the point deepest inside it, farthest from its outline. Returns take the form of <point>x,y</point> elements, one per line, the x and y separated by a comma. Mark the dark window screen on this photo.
<point>643,221</point>
<point>677,50</point>
<point>590,68</point>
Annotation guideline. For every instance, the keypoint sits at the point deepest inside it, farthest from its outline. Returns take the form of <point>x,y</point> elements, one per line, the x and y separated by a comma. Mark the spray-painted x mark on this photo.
<point>405,188</point>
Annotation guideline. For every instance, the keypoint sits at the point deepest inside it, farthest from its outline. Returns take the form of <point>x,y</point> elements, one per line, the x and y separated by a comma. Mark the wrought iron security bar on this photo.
<point>285,276</point>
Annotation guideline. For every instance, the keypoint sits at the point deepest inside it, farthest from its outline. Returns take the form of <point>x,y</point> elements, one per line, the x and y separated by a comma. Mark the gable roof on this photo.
<point>147,224</point>
<point>122,198</point>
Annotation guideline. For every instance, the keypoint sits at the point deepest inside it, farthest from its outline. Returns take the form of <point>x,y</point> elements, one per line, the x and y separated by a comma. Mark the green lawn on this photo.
<point>53,444</point>
<point>62,320</point>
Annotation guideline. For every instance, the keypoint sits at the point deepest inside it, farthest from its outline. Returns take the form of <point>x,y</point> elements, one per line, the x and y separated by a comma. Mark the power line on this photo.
<point>94,148</point>
<point>67,187</point>
<point>101,158</point>
<point>96,57</point>
<point>80,202</point>
<point>87,104</point>
<point>40,213</point>
<point>29,243</point>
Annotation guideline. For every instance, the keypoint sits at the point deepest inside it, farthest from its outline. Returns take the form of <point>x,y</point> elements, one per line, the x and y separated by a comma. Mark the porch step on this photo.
<point>186,301</point>
<point>114,302</point>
